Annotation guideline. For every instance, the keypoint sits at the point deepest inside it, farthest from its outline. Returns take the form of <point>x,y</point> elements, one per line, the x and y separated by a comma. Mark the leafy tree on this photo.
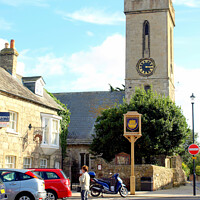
<point>164,128</point>
<point>65,114</point>
<point>117,89</point>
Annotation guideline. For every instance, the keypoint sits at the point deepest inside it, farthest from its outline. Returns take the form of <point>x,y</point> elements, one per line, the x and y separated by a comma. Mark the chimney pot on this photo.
<point>6,45</point>
<point>12,44</point>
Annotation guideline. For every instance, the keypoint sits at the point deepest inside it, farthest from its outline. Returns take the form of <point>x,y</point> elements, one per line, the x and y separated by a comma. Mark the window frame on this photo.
<point>9,129</point>
<point>43,166</point>
<point>7,165</point>
<point>51,119</point>
<point>30,165</point>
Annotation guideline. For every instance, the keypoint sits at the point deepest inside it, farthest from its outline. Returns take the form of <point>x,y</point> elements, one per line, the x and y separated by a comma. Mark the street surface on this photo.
<point>179,193</point>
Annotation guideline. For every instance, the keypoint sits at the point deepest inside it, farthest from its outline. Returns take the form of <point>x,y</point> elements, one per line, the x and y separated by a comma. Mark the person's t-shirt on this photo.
<point>85,181</point>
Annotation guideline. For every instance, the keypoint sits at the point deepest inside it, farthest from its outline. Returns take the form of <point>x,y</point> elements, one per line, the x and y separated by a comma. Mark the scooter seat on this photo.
<point>104,181</point>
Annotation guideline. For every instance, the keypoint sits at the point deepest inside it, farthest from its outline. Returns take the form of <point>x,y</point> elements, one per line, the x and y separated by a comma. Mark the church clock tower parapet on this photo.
<point>149,46</point>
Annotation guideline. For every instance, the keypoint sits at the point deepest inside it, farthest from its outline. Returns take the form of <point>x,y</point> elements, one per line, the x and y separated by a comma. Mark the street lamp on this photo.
<point>192,97</point>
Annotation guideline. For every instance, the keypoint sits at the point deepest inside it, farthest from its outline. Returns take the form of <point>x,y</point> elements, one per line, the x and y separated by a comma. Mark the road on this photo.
<point>141,198</point>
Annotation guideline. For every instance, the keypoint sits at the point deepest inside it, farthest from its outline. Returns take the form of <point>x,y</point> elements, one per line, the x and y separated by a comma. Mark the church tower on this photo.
<point>149,46</point>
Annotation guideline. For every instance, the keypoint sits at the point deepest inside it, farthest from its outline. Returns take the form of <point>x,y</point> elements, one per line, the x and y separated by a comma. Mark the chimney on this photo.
<point>8,58</point>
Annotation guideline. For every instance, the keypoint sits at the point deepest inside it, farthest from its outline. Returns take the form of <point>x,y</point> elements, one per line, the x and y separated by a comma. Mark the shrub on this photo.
<point>198,170</point>
<point>187,169</point>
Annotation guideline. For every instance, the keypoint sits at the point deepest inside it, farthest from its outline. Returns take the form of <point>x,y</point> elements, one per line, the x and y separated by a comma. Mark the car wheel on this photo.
<point>51,195</point>
<point>25,197</point>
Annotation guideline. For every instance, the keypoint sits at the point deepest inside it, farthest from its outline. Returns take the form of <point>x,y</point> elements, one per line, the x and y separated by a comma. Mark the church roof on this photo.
<point>84,108</point>
<point>12,86</point>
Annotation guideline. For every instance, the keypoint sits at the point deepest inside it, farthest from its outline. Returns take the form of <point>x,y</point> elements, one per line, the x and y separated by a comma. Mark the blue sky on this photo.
<point>79,45</point>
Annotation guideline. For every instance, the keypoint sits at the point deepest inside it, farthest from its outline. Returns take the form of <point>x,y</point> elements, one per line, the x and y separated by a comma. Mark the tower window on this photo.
<point>146,29</point>
<point>146,39</point>
<point>147,87</point>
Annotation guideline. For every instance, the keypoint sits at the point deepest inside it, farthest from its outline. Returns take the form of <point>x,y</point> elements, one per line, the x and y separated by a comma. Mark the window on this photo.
<point>55,132</point>
<point>84,159</point>
<point>10,162</point>
<point>23,177</point>
<point>27,163</point>
<point>8,176</point>
<point>46,131</point>
<point>147,87</point>
<point>146,39</point>
<point>171,50</point>
<point>57,165</point>
<point>43,163</point>
<point>51,175</point>
<point>51,125</point>
<point>13,121</point>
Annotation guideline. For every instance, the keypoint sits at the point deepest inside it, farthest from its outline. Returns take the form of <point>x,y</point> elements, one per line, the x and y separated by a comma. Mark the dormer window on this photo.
<point>34,84</point>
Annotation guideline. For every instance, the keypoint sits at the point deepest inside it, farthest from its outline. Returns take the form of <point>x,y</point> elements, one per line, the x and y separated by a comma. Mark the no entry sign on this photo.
<point>193,149</point>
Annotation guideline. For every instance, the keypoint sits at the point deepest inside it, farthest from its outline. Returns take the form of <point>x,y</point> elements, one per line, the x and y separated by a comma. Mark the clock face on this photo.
<point>146,66</point>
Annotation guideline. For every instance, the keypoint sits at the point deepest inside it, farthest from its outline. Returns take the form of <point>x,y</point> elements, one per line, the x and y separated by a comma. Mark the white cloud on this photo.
<point>190,3</point>
<point>94,16</point>
<point>49,65</point>
<point>187,82</point>
<point>39,3</point>
<point>89,33</point>
<point>100,65</point>
<point>2,43</point>
<point>20,68</point>
<point>4,25</point>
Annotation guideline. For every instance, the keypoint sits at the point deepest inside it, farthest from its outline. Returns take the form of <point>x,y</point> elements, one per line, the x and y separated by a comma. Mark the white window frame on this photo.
<point>11,130</point>
<point>29,165</point>
<point>57,165</point>
<point>43,166</point>
<point>56,132</point>
<point>51,118</point>
<point>12,163</point>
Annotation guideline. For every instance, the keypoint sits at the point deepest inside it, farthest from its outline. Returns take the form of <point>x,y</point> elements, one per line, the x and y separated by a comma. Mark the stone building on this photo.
<point>84,108</point>
<point>149,62</point>
<point>32,137</point>
<point>149,46</point>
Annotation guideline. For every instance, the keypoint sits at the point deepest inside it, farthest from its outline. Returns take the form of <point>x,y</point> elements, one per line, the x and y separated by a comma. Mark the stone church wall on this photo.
<point>163,177</point>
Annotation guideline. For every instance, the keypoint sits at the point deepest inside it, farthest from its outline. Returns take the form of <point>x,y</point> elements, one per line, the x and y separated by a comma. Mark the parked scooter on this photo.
<point>112,186</point>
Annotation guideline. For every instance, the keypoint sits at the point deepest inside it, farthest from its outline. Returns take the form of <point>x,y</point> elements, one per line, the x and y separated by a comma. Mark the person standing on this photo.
<point>84,180</point>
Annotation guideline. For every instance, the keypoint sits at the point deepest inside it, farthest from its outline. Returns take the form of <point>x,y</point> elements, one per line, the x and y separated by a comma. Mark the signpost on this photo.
<point>4,119</point>
<point>193,149</point>
<point>132,131</point>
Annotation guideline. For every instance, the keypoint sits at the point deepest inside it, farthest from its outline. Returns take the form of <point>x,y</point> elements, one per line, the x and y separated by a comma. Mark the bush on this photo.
<point>187,169</point>
<point>198,170</point>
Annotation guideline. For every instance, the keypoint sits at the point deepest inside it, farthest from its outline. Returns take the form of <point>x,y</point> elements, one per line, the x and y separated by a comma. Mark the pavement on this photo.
<point>182,192</point>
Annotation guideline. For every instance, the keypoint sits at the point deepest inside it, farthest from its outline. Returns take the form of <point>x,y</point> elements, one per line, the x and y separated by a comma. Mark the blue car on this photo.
<point>2,191</point>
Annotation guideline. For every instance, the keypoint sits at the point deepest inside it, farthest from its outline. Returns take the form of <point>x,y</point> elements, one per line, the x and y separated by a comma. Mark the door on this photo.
<point>12,183</point>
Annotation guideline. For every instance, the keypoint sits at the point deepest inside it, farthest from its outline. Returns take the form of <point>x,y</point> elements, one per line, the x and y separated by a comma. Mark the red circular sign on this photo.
<point>193,149</point>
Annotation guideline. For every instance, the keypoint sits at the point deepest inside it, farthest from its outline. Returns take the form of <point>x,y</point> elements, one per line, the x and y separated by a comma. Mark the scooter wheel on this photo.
<point>94,193</point>
<point>123,192</point>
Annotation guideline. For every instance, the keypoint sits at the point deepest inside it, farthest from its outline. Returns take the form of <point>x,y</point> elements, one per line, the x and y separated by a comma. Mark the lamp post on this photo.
<point>192,97</point>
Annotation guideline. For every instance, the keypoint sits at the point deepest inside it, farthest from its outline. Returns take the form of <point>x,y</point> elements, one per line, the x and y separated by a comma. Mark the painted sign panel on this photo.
<point>4,119</point>
<point>132,124</point>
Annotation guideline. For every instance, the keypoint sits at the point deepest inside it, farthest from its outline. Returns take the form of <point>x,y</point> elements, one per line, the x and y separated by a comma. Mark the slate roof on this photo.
<point>13,86</point>
<point>84,108</point>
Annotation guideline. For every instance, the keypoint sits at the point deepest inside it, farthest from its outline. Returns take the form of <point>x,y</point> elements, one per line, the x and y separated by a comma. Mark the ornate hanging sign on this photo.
<point>132,125</point>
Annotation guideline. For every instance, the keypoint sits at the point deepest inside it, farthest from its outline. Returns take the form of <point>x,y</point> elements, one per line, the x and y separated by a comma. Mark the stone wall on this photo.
<point>21,144</point>
<point>163,177</point>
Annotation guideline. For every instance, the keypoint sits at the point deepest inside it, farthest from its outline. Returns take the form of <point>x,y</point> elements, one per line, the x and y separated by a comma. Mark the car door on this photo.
<point>52,180</point>
<point>12,183</point>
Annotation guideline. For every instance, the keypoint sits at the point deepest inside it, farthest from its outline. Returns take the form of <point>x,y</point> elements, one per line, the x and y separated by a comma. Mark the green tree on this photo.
<point>117,89</point>
<point>164,128</point>
<point>65,114</point>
